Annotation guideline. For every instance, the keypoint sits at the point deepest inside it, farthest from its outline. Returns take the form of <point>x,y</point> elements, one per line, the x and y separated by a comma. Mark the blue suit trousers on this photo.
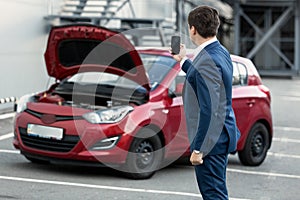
<point>211,177</point>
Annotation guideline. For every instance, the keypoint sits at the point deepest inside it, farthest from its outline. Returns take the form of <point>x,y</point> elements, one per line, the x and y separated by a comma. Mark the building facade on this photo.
<point>266,31</point>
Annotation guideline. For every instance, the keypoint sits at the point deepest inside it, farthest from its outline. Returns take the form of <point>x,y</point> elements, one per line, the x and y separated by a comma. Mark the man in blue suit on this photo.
<point>207,99</point>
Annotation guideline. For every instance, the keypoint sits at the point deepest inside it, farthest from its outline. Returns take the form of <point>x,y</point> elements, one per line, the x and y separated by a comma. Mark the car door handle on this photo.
<point>166,111</point>
<point>250,102</point>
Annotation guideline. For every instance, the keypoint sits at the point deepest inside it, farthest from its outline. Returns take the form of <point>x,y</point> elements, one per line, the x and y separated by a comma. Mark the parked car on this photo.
<point>119,106</point>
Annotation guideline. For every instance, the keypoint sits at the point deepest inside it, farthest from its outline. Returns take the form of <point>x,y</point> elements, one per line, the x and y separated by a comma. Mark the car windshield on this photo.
<point>157,67</point>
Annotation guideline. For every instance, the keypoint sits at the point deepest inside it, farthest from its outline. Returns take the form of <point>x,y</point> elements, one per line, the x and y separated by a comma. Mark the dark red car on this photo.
<point>121,107</point>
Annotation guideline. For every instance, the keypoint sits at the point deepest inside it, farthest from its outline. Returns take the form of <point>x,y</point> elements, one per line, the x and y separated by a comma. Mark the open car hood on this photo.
<point>79,48</point>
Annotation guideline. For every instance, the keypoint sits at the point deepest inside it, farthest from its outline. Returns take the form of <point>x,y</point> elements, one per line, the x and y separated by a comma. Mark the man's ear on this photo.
<point>193,30</point>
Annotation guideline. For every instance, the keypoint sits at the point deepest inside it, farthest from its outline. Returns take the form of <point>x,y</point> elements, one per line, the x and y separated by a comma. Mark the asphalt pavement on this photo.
<point>278,178</point>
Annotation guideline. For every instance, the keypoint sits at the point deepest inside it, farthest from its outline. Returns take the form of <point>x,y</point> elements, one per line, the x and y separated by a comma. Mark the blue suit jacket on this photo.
<point>207,100</point>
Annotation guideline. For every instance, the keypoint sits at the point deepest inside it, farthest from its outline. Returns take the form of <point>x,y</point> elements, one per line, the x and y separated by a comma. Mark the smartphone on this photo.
<point>175,44</point>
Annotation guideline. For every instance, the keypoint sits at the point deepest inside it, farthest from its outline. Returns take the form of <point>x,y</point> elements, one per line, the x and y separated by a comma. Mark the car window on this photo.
<point>176,86</point>
<point>157,67</point>
<point>240,77</point>
<point>240,74</point>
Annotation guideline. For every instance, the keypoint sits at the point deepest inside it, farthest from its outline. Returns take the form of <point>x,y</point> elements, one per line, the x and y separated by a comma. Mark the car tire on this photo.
<point>256,147</point>
<point>144,156</point>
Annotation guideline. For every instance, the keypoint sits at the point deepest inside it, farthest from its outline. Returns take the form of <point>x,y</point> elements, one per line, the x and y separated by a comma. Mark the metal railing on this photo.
<point>8,100</point>
<point>8,104</point>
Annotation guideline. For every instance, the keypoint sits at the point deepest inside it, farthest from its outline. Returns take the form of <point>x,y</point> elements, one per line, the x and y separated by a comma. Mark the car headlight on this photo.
<point>22,102</point>
<point>111,115</point>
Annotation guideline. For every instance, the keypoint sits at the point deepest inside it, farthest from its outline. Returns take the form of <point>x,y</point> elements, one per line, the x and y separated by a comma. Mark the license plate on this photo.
<point>45,131</point>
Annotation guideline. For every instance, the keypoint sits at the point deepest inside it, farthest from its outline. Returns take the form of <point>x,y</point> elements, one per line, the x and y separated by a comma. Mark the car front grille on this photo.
<point>65,145</point>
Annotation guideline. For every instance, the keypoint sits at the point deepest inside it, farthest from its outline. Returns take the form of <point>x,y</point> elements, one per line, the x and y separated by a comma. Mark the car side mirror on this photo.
<point>167,99</point>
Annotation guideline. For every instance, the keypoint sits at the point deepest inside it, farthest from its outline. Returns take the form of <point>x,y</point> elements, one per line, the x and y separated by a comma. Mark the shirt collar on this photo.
<point>203,45</point>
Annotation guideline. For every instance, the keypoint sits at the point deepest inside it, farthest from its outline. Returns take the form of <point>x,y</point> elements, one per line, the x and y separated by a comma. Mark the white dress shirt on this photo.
<point>199,49</point>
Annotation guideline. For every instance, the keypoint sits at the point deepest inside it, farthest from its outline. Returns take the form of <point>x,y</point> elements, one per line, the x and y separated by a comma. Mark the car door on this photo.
<point>179,143</point>
<point>243,96</point>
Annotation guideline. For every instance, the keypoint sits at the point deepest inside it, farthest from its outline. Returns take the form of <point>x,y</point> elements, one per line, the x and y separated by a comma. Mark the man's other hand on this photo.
<point>196,158</point>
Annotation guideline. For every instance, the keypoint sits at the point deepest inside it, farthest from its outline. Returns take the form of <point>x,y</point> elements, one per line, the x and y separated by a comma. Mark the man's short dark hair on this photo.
<point>206,21</point>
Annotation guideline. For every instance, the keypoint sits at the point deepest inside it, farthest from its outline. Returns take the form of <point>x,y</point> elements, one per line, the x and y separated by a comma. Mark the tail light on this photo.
<point>265,90</point>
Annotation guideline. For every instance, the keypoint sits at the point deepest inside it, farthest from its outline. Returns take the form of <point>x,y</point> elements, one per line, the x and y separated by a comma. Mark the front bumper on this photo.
<point>78,140</point>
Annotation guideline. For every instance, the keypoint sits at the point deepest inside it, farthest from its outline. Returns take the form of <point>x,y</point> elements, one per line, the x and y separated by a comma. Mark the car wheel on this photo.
<point>256,147</point>
<point>145,155</point>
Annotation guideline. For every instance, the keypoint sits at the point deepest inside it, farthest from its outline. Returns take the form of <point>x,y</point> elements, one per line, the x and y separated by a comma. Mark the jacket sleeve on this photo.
<point>209,89</point>
<point>186,65</point>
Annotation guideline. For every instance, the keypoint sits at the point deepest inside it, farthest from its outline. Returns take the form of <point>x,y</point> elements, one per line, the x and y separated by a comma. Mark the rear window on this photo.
<point>240,74</point>
<point>77,52</point>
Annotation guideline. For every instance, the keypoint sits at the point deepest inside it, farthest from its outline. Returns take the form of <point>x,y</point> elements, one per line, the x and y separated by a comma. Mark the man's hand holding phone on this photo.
<point>177,49</point>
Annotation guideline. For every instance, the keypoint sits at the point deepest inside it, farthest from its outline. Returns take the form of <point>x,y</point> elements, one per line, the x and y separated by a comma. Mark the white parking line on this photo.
<point>290,98</point>
<point>281,155</point>
<point>9,151</point>
<point>6,136</point>
<point>286,128</point>
<point>7,115</point>
<point>269,174</point>
<point>286,140</point>
<point>105,187</point>
<point>264,173</point>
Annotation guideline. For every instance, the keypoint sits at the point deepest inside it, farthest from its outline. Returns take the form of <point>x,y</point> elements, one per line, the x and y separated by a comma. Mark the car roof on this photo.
<point>165,51</point>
